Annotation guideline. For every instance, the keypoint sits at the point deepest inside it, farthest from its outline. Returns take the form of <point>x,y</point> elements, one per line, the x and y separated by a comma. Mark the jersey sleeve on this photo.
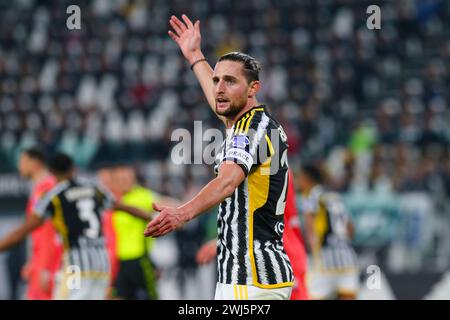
<point>44,207</point>
<point>248,145</point>
<point>239,152</point>
<point>310,204</point>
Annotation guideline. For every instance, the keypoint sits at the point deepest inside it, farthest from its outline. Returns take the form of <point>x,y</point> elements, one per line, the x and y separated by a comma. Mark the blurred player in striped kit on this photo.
<point>75,207</point>
<point>333,271</point>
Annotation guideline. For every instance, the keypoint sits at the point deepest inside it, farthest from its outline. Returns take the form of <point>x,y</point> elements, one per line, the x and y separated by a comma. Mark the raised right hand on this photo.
<point>187,36</point>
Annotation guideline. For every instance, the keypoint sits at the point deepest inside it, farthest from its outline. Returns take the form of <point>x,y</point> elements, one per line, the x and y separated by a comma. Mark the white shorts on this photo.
<point>86,287</point>
<point>247,292</point>
<point>324,285</point>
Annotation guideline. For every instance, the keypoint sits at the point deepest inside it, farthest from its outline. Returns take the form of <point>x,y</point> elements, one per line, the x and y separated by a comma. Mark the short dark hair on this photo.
<point>61,163</point>
<point>313,172</point>
<point>251,66</point>
<point>36,154</point>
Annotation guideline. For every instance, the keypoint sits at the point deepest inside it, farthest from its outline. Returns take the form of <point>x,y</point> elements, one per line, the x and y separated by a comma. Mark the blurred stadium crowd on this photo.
<point>371,105</point>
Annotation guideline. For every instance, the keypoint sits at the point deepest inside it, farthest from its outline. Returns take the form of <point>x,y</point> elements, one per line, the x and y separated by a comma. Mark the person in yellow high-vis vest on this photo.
<point>136,278</point>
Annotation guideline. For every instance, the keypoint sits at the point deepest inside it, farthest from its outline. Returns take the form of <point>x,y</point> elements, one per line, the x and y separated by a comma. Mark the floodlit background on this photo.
<point>371,106</point>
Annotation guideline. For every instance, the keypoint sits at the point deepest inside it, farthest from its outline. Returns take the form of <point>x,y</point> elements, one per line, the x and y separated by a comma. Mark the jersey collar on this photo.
<point>261,107</point>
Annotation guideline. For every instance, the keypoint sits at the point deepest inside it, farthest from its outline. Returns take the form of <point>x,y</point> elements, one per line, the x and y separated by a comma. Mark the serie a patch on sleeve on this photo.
<point>240,141</point>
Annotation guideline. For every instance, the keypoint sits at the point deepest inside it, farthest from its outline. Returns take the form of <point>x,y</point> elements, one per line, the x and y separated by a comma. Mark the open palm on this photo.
<point>186,35</point>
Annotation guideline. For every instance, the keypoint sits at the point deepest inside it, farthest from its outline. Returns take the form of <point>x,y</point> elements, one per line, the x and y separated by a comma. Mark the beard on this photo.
<point>232,110</point>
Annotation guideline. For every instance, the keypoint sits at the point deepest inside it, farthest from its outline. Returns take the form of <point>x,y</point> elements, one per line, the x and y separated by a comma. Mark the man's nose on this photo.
<point>220,87</point>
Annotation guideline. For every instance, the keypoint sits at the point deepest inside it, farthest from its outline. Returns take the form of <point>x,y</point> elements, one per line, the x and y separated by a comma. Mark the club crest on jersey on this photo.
<point>279,228</point>
<point>240,141</point>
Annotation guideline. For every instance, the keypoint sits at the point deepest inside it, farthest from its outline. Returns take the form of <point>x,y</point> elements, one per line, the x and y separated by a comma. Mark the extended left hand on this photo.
<point>168,220</point>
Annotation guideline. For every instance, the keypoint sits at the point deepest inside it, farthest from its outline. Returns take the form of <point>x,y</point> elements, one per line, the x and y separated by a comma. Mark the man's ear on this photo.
<point>253,88</point>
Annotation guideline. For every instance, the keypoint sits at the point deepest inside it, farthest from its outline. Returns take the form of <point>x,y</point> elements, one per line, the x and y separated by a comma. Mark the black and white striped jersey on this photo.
<point>333,250</point>
<point>75,207</point>
<point>250,221</point>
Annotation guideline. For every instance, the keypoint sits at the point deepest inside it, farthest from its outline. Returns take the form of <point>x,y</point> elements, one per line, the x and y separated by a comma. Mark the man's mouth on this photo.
<point>221,102</point>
